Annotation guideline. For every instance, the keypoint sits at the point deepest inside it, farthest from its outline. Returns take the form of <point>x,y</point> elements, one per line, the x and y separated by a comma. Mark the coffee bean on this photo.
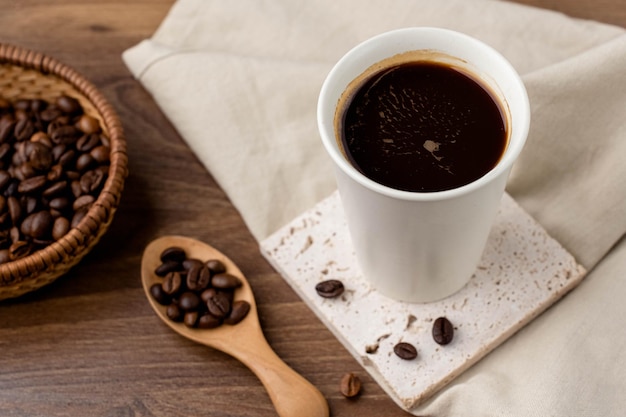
<point>100,154</point>
<point>50,113</point>
<point>42,138</point>
<point>198,278</point>
<point>14,234</point>
<point>68,105</point>
<point>39,155</point>
<point>105,140</point>
<point>215,265</point>
<point>88,124</point>
<point>55,173</point>
<point>60,227</point>
<point>5,150</point>
<point>67,159</point>
<point>30,204</point>
<point>11,189</point>
<point>219,305</point>
<point>24,129</point>
<point>191,318</point>
<point>15,209</point>
<point>5,179</point>
<point>77,190</point>
<point>156,290</point>
<point>189,301</point>
<point>23,172</point>
<point>190,262</point>
<point>77,217</point>
<point>83,202</point>
<point>58,151</point>
<point>173,253</point>
<point>174,313</point>
<point>207,294</point>
<point>405,351</point>
<point>37,105</point>
<point>41,224</point>
<point>64,134</point>
<point>54,189</point>
<point>6,130</point>
<point>330,288</point>
<point>32,185</point>
<point>350,385</point>
<point>5,238</point>
<point>87,142</point>
<point>238,312</point>
<point>26,226</point>
<point>443,331</point>
<point>72,175</point>
<point>18,157</point>
<point>84,162</point>
<point>167,267</point>
<point>225,281</point>
<point>91,181</point>
<point>22,104</point>
<point>19,249</point>
<point>173,283</point>
<point>207,321</point>
<point>21,114</point>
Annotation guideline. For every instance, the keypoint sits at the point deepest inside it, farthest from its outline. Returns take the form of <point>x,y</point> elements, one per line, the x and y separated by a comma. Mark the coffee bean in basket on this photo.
<point>201,294</point>
<point>54,161</point>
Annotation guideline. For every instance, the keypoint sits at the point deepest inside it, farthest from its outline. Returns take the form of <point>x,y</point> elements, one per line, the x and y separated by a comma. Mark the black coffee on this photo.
<point>422,126</point>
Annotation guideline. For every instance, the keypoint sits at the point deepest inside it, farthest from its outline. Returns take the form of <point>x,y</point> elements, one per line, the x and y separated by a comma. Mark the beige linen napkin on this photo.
<point>240,80</point>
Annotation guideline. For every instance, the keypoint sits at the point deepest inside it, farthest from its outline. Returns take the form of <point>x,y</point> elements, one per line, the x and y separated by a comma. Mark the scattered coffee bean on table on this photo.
<point>199,294</point>
<point>405,351</point>
<point>54,161</point>
<point>350,385</point>
<point>330,288</point>
<point>443,331</point>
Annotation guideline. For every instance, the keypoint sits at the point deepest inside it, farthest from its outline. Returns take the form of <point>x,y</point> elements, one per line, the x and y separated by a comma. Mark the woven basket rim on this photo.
<point>79,240</point>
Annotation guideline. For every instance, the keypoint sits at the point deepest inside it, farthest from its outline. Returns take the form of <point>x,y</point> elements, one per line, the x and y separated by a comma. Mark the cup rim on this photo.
<point>514,146</point>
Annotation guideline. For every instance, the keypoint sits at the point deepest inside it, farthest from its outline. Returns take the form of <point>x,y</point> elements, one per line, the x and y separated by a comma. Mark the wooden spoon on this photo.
<point>291,394</point>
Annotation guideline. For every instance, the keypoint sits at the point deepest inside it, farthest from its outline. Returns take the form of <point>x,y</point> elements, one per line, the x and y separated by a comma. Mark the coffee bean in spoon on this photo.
<point>291,394</point>
<point>174,254</point>
<point>204,288</point>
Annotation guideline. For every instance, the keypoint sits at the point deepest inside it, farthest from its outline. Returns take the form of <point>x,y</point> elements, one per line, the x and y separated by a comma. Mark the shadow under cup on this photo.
<point>415,246</point>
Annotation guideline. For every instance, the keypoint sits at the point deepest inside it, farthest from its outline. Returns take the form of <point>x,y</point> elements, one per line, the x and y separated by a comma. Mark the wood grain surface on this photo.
<point>89,344</point>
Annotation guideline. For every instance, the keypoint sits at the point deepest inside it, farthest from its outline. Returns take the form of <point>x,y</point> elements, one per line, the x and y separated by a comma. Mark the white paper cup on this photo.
<point>414,246</point>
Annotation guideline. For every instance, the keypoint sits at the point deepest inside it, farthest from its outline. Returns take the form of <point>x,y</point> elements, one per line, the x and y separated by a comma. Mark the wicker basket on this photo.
<point>29,74</point>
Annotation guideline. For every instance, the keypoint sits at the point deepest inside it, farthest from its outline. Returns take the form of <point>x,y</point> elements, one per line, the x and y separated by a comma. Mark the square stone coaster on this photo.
<point>522,272</point>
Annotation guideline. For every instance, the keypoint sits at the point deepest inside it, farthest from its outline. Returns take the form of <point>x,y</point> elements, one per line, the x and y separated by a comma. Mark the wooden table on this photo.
<point>89,344</point>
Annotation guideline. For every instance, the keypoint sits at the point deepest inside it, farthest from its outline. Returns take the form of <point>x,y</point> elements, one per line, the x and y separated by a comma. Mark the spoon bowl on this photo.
<point>291,394</point>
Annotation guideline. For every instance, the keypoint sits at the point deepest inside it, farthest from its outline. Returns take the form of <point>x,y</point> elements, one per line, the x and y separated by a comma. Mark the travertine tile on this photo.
<point>522,272</point>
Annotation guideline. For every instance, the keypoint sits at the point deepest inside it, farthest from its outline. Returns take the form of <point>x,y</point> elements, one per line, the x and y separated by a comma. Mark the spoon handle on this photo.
<point>291,394</point>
